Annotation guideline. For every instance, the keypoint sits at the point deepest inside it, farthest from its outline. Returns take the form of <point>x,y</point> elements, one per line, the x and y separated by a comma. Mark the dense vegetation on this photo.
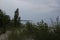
<point>29,30</point>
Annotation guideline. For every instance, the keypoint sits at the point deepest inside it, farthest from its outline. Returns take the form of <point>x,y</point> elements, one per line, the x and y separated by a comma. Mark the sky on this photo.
<point>34,10</point>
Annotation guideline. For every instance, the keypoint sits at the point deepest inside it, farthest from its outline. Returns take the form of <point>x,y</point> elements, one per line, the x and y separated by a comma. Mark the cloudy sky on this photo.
<point>32,9</point>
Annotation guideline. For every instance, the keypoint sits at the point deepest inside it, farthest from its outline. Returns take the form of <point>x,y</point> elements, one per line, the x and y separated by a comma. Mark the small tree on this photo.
<point>4,21</point>
<point>16,18</point>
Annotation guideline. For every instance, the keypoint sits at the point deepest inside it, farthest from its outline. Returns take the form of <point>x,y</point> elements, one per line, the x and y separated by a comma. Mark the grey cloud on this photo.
<point>32,9</point>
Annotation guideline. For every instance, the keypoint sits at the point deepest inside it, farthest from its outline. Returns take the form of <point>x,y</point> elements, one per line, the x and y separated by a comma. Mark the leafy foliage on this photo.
<point>16,18</point>
<point>4,21</point>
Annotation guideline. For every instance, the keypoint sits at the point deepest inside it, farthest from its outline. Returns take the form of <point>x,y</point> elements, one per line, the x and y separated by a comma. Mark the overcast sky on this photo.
<point>32,9</point>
